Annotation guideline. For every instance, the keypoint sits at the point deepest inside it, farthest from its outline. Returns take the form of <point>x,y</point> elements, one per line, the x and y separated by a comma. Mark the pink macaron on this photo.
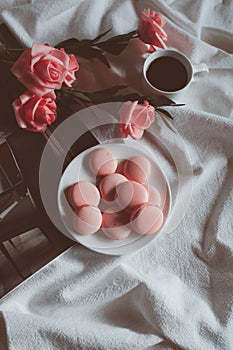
<point>115,224</point>
<point>83,193</point>
<point>154,196</point>
<point>120,166</point>
<point>108,185</point>
<point>147,219</point>
<point>138,169</point>
<point>102,162</point>
<point>130,194</point>
<point>87,220</point>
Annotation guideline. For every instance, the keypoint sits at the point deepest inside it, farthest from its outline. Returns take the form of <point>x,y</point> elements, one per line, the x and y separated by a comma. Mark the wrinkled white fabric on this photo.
<point>176,293</point>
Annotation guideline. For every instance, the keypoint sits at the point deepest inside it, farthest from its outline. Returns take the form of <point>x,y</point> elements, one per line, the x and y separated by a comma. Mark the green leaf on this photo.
<point>76,93</point>
<point>112,90</point>
<point>114,49</point>
<point>101,36</point>
<point>90,53</point>
<point>164,112</point>
<point>82,96</point>
<point>92,48</point>
<point>116,44</point>
<point>134,96</point>
<point>159,100</point>
<point>75,44</point>
<point>155,101</point>
<point>123,37</point>
<point>66,44</point>
<point>83,49</point>
<point>105,95</point>
<point>177,104</point>
<point>2,49</point>
<point>9,55</point>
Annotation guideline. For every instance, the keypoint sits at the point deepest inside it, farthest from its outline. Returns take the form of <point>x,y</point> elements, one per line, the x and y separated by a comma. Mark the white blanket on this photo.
<point>176,293</point>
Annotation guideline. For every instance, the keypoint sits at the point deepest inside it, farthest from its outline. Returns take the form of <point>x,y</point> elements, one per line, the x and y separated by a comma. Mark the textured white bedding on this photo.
<point>176,293</point>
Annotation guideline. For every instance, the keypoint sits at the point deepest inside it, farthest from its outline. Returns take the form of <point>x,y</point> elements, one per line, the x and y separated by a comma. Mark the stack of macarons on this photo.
<point>130,203</point>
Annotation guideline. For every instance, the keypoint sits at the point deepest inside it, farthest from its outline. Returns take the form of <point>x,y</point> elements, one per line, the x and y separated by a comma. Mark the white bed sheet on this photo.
<point>176,293</point>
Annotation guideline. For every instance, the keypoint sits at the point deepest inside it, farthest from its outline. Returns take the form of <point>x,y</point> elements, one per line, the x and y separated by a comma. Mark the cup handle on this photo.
<point>199,70</point>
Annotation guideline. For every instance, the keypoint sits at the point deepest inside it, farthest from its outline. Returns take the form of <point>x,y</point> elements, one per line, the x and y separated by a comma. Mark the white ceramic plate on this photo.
<point>78,170</point>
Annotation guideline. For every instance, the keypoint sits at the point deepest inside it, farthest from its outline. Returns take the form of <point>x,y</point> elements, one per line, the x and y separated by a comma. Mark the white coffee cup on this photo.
<point>193,71</point>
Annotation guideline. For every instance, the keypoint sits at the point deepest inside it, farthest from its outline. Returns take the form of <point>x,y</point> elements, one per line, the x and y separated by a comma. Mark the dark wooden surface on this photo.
<point>33,249</point>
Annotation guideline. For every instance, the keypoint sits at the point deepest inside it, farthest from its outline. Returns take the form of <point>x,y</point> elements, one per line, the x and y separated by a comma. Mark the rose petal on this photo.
<point>160,42</point>
<point>123,129</point>
<point>21,64</point>
<point>40,49</point>
<point>150,28</point>
<point>50,95</point>
<point>34,113</point>
<point>126,111</point>
<point>73,63</point>
<point>61,56</point>
<point>37,51</point>
<point>143,119</point>
<point>158,18</point>
<point>69,78</point>
<point>44,68</point>
<point>134,118</point>
<point>135,132</point>
<point>46,71</point>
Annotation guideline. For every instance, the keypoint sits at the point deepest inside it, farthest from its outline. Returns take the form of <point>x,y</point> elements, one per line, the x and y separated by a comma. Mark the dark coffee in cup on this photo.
<point>167,73</point>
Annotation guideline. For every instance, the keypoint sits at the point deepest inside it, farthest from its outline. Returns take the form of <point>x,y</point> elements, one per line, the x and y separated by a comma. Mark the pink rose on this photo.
<point>43,68</point>
<point>150,29</point>
<point>34,113</point>
<point>134,118</point>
